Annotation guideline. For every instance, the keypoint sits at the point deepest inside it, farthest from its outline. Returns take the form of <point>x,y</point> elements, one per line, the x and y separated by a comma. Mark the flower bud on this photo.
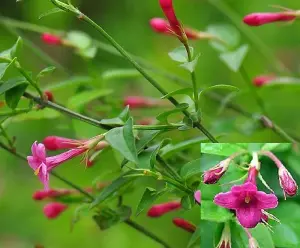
<point>258,19</point>
<point>287,182</point>
<point>54,143</point>
<point>49,96</point>
<point>262,80</point>
<point>54,209</point>
<point>51,39</point>
<point>51,193</point>
<point>161,209</point>
<point>214,174</point>
<point>135,102</point>
<point>184,224</point>
<point>197,196</point>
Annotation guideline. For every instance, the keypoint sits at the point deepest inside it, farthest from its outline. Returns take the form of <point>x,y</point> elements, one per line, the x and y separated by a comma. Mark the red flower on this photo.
<point>51,193</point>
<point>51,39</point>
<point>49,96</point>
<point>184,224</point>
<point>258,19</point>
<point>54,209</point>
<point>161,209</point>
<point>56,143</point>
<point>262,80</point>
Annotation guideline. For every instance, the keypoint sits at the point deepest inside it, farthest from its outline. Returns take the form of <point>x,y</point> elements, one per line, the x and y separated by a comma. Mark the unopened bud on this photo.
<point>258,19</point>
<point>197,196</point>
<point>51,39</point>
<point>164,208</point>
<point>225,240</point>
<point>214,174</point>
<point>184,224</point>
<point>262,80</point>
<point>49,96</point>
<point>54,209</point>
<point>287,182</point>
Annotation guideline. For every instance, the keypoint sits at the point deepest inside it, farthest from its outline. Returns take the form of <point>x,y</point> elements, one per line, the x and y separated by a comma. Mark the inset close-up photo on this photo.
<point>249,195</point>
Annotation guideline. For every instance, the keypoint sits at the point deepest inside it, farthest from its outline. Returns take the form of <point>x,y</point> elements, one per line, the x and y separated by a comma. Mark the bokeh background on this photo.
<point>22,223</point>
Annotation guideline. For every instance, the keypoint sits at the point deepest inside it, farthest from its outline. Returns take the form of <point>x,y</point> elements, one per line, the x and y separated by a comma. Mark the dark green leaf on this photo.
<point>10,84</point>
<point>187,202</point>
<point>179,54</point>
<point>122,139</point>
<point>212,212</point>
<point>235,59</point>
<point>163,117</point>
<point>13,96</point>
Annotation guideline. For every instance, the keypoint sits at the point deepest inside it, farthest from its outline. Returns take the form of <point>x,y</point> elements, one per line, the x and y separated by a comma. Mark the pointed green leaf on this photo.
<point>12,83</point>
<point>187,202</point>
<point>11,53</point>
<point>122,140</point>
<point>184,91</point>
<point>163,117</point>
<point>190,66</point>
<point>222,149</point>
<point>235,59</point>
<point>212,212</point>
<point>120,74</point>
<point>179,54</point>
<point>45,72</point>
<point>50,12</point>
<point>217,87</point>
<point>13,96</point>
<point>154,154</point>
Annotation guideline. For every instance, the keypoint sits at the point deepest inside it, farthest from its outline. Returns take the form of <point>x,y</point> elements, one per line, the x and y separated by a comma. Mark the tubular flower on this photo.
<point>51,39</point>
<point>161,209</point>
<point>248,203</point>
<point>54,209</point>
<point>197,196</point>
<point>258,19</point>
<point>262,80</point>
<point>54,143</point>
<point>184,224</point>
<point>51,193</point>
<point>214,174</point>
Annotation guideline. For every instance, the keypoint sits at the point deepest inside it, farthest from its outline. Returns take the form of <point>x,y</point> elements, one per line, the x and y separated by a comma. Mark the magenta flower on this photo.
<point>248,203</point>
<point>197,196</point>
<point>161,209</point>
<point>258,19</point>
<point>262,80</point>
<point>54,209</point>
<point>287,182</point>
<point>56,143</point>
<point>51,39</point>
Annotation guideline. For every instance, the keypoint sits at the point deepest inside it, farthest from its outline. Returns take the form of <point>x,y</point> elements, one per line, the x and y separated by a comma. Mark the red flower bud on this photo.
<point>135,102</point>
<point>49,96</point>
<point>257,19</point>
<point>146,121</point>
<point>262,80</point>
<point>214,174</point>
<point>197,196</point>
<point>287,182</point>
<point>51,39</point>
<point>161,209</point>
<point>56,143</point>
<point>54,209</point>
<point>51,193</point>
<point>184,224</point>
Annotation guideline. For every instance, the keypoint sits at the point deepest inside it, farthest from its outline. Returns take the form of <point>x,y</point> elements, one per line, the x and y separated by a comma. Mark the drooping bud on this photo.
<point>262,80</point>
<point>161,209</point>
<point>214,174</point>
<point>54,143</point>
<point>51,193</point>
<point>225,240</point>
<point>197,196</point>
<point>51,39</point>
<point>49,95</point>
<point>287,182</point>
<point>135,102</point>
<point>258,19</point>
<point>54,209</point>
<point>184,224</point>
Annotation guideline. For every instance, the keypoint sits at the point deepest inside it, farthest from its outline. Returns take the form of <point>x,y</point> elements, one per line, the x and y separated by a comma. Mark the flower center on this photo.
<point>37,171</point>
<point>247,199</point>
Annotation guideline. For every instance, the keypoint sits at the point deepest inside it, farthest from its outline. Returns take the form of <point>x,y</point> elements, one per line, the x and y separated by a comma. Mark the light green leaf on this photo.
<point>50,12</point>
<point>72,82</point>
<point>263,236</point>
<point>222,149</point>
<point>226,33</point>
<point>190,66</point>
<point>184,91</point>
<point>14,112</point>
<point>79,39</point>
<point>285,236</point>
<point>12,52</point>
<point>122,140</point>
<point>212,212</point>
<point>4,67</point>
<point>179,54</point>
<point>195,239</point>
<point>154,154</point>
<point>218,86</point>
<point>120,74</point>
<point>44,72</point>
<point>191,168</point>
<point>13,96</point>
<point>275,146</point>
<point>163,117</point>
<point>12,83</point>
<point>235,59</point>
<point>79,100</point>
<point>88,53</point>
<point>38,115</point>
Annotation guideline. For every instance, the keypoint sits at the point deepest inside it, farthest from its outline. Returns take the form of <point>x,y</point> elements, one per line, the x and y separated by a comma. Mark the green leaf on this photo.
<point>38,115</point>
<point>122,140</point>
<point>81,210</point>
<point>284,236</point>
<point>81,99</point>
<point>235,59</point>
<point>14,112</point>
<point>212,212</point>
<point>45,72</point>
<point>275,146</point>
<point>227,33</point>
<point>184,91</point>
<point>125,114</point>
<point>154,154</point>
<point>163,117</point>
<point>12,83</point>
<point>115,186</point>
<point>79,39</point>
<point>88,53</point>
<point>222,149</point>
<point>263,236</point>
<point>50,12</point>
<point>3,68</point>
<point>191,168</point>
<point>190,66</point>
<point>218,86</point>
<point>12,52</point>
<point>195,239</point>
<point>120,74</point>
<point>149,196</point>
<point>179,54</point>
<point>187,202</point>
<point>107,217</point>
<point>13,96</point>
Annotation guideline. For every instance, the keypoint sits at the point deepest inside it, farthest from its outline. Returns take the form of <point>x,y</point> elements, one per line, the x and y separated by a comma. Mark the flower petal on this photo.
<point>44,176</point>
<point>246,187</point>
<point>33,162</point>
<point>34,149</point>
<point>266,201</point>
<point>249,217</point>
<point>226,200</point>
<point>41,152</point>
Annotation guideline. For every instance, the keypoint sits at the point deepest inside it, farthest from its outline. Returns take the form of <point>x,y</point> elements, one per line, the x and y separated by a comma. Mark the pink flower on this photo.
<point>51,193</point>
<point>247,202</point>
<point>51,39</point>
<point>54,209</point>
<point>42,165</point>
<point>167,8</point>
<point>214,174</point>
<point>262,80</point>
<point>197,196</point>
<point>56,143</point>
<point>161,209</point>
<point>184,224</point>
<point>257,19</point>
<point>287,182</point>
<point>135,102</point>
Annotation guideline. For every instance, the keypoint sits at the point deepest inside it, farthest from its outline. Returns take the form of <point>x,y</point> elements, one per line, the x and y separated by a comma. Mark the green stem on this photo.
<point>157,127</point>
<point>193,76</point>
<point>4,133</point>
<point>127,56</point>
<point>169,169</point>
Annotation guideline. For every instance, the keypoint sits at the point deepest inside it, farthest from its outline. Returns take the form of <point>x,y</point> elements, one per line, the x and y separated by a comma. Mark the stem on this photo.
<point>29,79</point>
<point>193,75</point>
<point>169,169</point>
<point>146,232</point>
<point>127,56</point>
<point>272,157</point>
<point>253,90</point>
<point>4,133</point>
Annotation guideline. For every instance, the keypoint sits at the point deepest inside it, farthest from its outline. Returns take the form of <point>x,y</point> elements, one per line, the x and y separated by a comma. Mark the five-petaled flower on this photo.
<point>258,19</point>
<point>248,203</point>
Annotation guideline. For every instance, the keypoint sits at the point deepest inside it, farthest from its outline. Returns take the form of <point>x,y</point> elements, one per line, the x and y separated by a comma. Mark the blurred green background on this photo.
<point>22,221</point>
